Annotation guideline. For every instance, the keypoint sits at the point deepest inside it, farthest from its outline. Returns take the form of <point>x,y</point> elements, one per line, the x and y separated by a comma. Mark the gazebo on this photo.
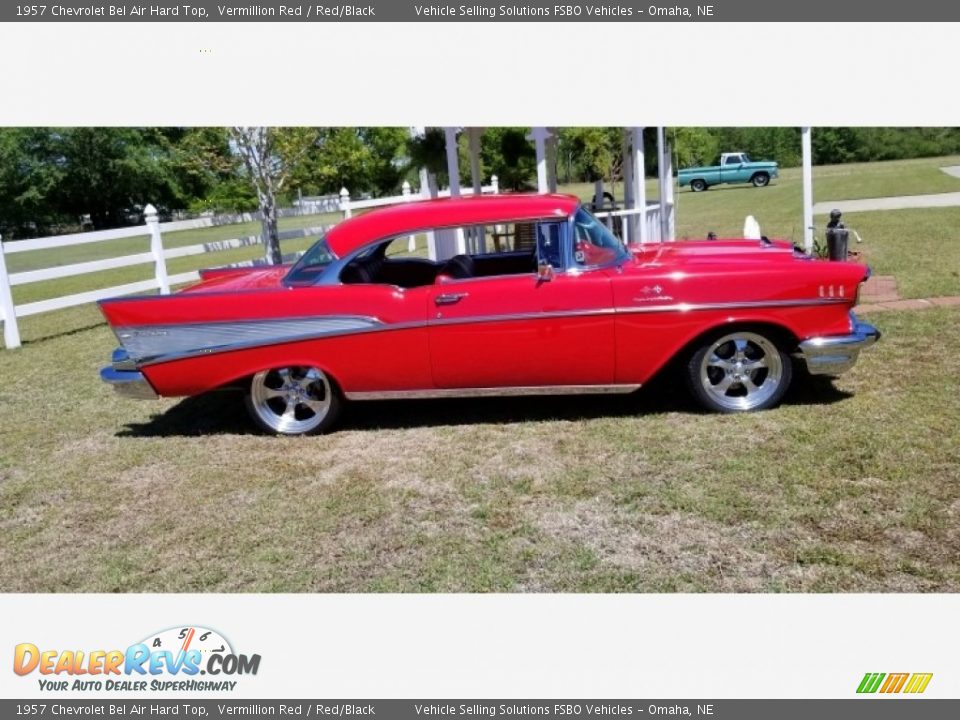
<point>640,220</point>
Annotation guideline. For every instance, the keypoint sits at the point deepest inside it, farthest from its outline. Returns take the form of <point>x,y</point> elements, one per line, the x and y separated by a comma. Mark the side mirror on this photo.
<point>544,271</point>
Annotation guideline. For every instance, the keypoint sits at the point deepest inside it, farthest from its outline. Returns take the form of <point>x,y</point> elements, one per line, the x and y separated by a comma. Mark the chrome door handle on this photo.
<point>449,298</point>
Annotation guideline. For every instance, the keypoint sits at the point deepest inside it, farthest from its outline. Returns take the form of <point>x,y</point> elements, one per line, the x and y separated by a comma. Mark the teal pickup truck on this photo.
<point>733,168</point>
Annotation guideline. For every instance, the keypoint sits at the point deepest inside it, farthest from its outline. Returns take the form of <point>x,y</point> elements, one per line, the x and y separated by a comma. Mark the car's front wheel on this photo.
<point>760,180</point>
<point>739,371</point>
<point>293,400</point>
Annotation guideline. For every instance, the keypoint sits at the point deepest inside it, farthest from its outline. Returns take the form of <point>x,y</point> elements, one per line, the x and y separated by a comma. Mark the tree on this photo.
<point>271,156</point>
<point>596,151</point>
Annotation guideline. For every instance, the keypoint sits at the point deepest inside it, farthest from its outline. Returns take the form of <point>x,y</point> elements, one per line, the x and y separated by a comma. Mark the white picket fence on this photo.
<point>157,255</point>
<point>650,217</point>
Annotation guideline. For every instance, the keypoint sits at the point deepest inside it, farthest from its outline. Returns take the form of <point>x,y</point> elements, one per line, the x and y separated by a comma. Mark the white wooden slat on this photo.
<point>186,277</point>
<point>75,239</point>
<point>31,276</point>
<point>85,297</point>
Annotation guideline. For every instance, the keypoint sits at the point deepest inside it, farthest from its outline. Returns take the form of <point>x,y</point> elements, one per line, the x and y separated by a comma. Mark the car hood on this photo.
<point>711,251</point>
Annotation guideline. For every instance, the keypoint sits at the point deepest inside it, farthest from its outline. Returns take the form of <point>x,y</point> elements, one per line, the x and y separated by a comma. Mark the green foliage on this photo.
<point>53,176</point>
<point>694,146</point>
<point>595,151</point>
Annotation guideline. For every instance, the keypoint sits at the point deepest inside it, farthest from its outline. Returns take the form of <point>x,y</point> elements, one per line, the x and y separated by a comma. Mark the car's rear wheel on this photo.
<point>739,371</point>
<point>760,180</point>
<point>293,400</point>
<point>698,185</point>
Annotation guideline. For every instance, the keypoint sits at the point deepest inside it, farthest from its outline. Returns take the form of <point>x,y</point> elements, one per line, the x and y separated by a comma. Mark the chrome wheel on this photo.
<point>292,400</point>
<point>760,179</point>
<point>739,372</point>
<point>698,185</point>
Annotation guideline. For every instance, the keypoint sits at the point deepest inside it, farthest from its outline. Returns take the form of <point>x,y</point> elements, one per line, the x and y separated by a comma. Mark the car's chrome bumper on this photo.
<point>836,354</point>
<point>123,375</point>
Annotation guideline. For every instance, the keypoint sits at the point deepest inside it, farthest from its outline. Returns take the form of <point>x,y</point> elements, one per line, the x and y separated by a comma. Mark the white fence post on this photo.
<point>156,249</point>
<point>345,203</point>
<point>8,313</point>
<point>495,183</point>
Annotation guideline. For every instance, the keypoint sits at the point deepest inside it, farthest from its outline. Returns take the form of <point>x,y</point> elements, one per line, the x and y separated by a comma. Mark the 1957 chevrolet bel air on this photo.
<point>549,301</point>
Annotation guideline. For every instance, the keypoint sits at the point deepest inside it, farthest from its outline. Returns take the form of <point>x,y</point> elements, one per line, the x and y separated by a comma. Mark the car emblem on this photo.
<point>655,290</point>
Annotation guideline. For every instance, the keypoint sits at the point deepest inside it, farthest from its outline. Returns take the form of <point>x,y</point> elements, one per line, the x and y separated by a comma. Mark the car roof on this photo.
<point>408,218</point>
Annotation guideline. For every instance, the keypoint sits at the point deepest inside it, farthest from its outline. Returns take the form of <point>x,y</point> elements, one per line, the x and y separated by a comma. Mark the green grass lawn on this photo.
<point>851,486</point>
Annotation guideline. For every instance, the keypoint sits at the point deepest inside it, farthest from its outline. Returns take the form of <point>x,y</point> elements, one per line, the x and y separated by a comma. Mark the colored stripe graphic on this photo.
<point>894,683</point>
<point>870,682</point>
<point>918,683</point>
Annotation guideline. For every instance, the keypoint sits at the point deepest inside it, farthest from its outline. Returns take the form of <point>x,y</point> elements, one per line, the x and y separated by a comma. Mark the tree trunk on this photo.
<point>270,233</point>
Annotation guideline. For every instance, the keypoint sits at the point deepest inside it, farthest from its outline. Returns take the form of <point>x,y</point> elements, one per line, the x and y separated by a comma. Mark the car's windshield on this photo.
<point>746,158</point>
<point>593,243</point>
<point>314,261</point>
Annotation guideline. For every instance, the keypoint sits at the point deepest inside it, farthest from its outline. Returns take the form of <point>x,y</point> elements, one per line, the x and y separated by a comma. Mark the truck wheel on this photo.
<point>698,185</point>
<point>760,179</point>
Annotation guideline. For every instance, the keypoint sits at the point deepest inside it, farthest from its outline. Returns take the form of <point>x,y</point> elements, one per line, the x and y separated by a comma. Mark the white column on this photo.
<point>345,203</point>
<point>407,197</point>
<point>639,184</point>
<point>627,154</point>
<point>8,312</point>
<point>539,136</point>
<point>453,172</point>
<point>475,172</point>
<point>662,185</point>
<point>156,249</point>
<point>551,151</point>
<point>453,164</point>
<point>807,190</point>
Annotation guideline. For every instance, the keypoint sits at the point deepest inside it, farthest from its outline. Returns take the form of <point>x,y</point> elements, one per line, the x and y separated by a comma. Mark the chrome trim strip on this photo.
<point>835,354</point>
<point>149,344</point>
<point>129,384</point>
<point>493,392</point>
<point>146,343</point>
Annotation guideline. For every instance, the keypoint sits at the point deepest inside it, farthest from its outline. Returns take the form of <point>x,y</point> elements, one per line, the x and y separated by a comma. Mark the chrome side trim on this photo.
<point>151,344</point>
<point>493,392</point>
<point>130,384</point>
<point>148,343</point>
<point>836,354</point>
<point>693,307</point>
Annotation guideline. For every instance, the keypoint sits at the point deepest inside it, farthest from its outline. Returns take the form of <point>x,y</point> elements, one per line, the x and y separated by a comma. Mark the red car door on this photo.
<point>518,331</point>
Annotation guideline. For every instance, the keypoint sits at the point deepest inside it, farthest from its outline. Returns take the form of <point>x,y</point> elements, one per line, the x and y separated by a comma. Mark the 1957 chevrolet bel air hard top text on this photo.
<point>546,301</point>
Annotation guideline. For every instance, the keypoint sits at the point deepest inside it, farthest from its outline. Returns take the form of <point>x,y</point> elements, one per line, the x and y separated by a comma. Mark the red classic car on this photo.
<point>546,301</point>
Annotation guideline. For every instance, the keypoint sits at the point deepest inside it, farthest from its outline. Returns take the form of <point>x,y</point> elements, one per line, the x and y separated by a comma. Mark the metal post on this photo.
<point>156,249</point>
<point>807,190</point>
<point>8,312</point>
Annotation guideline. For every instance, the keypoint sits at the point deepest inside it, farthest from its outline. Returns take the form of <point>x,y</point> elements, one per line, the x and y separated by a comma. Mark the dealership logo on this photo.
<point>172,659</point>
<point>910,683</point>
